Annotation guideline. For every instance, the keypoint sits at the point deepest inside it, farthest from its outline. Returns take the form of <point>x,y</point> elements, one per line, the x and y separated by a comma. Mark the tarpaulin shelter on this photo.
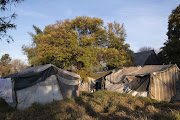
<point>96,82</point>
<point>155,81</point>
<point>146,58</point>
<point>41,84</point>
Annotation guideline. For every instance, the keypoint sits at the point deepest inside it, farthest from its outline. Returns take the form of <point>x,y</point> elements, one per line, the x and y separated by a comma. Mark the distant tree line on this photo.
<point>145,48</point>
<point>9,66</point>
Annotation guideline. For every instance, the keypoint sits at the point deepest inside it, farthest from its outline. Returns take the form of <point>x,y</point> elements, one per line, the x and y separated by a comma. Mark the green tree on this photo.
<point>117,53</point>
<point>4,64</point>
<point>81,42</point>
<point>5,59</point>
<point>6,20</point>
<point>170,53</point>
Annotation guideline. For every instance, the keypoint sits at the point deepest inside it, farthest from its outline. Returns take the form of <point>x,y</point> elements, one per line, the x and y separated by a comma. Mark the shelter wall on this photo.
<point>178,88</point>
<point>84,86</point>
<point>124,88</point>
<point>69,91</point>
<point>163,84</point>
<point>116,87</point>
<point>43,92</point>
<point>153,60</point>
<point>88,86</point>
<point>68,88</point>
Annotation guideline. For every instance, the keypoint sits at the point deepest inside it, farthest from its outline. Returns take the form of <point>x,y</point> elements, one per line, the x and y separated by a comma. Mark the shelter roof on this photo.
<point>119,75</point>
<point>141,57</point>
<point>41,68</point>
<point>147,69</point>
<point>34,75</point>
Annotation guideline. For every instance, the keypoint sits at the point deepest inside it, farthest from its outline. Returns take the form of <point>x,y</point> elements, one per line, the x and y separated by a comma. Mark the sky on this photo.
<point>145,21</point>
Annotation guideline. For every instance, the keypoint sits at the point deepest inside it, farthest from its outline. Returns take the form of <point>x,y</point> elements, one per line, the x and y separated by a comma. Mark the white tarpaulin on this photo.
<point>6,90</point>
<point>38,93</point>
<point>41,84</point>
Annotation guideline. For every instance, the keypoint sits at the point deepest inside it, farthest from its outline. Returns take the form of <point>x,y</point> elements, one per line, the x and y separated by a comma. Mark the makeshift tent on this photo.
<point>42,84</point>
<point>92,85</point>
<point>155,81</point>
<point>96,82</point>
<point>88,86</point>
<point>146,58</point>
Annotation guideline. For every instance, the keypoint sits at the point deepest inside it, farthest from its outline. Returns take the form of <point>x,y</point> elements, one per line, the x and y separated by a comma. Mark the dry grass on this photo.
<point>102,105</point>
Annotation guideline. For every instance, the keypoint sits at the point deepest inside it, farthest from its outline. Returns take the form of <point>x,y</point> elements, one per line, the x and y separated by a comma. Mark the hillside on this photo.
<point>102,105</point>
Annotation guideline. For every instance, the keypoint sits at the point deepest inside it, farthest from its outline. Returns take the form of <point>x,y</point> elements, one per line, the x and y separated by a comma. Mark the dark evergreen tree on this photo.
<point>170,53</point>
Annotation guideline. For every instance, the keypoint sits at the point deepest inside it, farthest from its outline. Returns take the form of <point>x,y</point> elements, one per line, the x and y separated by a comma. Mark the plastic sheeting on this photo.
<point>158,80</point>
<point>68,82</point>
<point>41,84</point>
<point>88,86</point>
<point>140,84</point>
<point>124,88</point>
<point>6,90</point>
<point>33,75</point>
<point>118,76</point>
<point>43,92</point>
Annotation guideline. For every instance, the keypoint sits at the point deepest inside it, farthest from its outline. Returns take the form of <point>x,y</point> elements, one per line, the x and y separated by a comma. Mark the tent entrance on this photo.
<point>140,83</point>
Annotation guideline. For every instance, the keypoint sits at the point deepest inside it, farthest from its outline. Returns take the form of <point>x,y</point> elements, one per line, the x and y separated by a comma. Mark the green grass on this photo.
<point>101,105</point>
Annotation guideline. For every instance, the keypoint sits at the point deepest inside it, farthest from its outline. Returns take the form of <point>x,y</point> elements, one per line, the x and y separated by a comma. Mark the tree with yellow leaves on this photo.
<point>81,42</point>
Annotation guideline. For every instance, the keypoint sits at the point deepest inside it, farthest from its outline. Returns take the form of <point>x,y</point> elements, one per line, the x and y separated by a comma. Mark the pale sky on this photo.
<point>145,21</point>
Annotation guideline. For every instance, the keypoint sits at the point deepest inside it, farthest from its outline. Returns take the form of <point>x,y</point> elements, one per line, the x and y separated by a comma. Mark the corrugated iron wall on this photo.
<point>163,84</point>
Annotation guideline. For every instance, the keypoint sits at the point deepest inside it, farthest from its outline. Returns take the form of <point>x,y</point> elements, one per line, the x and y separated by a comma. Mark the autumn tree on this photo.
<point>5,59</point>
<point>170,53</point>
<point>82,42</point>
<point>6,20</point>
<point>116,54</point>
<point>17,65</point>
<point>4,64</point>
<point>9,66</point>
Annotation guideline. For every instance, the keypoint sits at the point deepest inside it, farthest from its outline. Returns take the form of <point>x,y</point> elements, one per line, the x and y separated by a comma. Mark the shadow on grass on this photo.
<point>91,112</point>
<point>4,107</point>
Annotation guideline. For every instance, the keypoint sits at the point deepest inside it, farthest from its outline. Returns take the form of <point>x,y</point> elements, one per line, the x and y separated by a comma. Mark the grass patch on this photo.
<point>102,105</point>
